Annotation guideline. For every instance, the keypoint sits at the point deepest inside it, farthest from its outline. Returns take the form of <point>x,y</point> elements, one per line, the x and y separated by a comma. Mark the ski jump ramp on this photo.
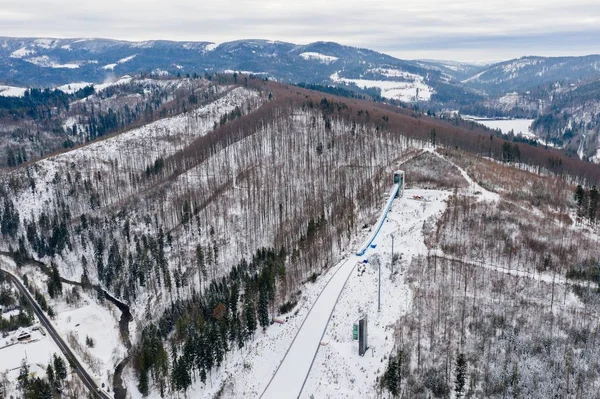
<point>393,192</point>
<point>290,377</point>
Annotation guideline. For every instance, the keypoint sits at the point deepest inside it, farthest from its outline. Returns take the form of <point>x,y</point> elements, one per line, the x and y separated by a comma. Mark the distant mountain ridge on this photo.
<point>48,62</point>
<point>54,62</point>
<point>528,72</point>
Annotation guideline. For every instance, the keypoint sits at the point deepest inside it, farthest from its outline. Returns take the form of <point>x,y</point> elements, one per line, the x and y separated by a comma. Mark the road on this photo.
<point>290,377</point>
<point>87,380</point>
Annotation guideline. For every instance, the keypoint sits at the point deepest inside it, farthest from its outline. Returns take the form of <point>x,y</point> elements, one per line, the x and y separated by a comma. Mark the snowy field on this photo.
<point>409,91</point>
<point>11,91</point>
<point>100,323</point>
<point>37,352</point>
<point>85,318</point>
<point>325,59</point>
<point>520,127</point>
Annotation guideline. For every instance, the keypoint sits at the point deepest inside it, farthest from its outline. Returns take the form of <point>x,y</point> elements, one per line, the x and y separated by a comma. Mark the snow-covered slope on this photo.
<point>411,88</point>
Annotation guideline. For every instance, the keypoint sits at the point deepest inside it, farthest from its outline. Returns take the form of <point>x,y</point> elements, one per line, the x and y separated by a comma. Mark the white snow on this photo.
<point>520,127</point>
<point>45,43</point>
<point>46,62</point>
<point>407,91</point>
<point>110,67</point>
<point>325,59</point>
<point>73,87</point>
<point>38,351</point>
<point>210,47</point>
<point>122,80</point>
<point>22,52</point>
<point>338,371</point>
<point>13,313</point>
<point>289,377</point>
<point>126,59</point>
<point>11,91</point>
<point>395,73</point>
<point>371,237</point>
<point>89,319</point>
<point>245,72</point>
<point>160,138</point>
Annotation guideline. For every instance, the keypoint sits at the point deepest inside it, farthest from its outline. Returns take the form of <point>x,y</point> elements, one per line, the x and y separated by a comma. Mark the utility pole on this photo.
<point>392,254</point>
<point>379,293</point>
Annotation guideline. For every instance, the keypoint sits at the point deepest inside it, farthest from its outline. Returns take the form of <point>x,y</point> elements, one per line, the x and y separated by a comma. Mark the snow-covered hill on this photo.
<point>56,62</point>
<point>528,72</point>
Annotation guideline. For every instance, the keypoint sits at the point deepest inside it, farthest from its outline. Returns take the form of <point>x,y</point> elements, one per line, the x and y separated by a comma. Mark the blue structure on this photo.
<point>396,191</point>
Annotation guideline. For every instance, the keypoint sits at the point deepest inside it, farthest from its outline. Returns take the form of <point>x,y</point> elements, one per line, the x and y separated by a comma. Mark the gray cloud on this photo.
<point>460,29</point>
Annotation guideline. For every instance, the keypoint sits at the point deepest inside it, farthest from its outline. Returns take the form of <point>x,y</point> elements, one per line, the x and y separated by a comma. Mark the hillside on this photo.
<point>212,220</point>
<point>526,73</point>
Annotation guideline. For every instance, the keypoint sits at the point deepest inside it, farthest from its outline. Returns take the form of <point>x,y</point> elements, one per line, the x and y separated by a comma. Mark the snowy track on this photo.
<point>289,378</point>
<point>291,375</point>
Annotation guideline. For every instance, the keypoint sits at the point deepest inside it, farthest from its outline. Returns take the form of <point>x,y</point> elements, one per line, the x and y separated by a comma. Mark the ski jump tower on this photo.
<point>399,179</point>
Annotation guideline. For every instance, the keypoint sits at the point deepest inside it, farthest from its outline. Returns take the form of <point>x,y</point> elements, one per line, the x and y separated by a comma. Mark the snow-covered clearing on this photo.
<point>22,52</point>
<point>325,59</point>
<point>520,127</point>
<point>110,67</point>
<point>46,62</point>
<point>81,319</point>
<point>210,47</point>
<point>37,354</point>
<point>11,91</point>
<point>71,88</point>
<point>409,91</point>
<point>100,323</point>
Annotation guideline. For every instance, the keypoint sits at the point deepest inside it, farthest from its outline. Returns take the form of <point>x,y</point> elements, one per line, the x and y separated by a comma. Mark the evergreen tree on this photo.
<point>60,370</point>
<point>582,199</point>
<point>461,375</point>
<point>593,204</point>
<point>50,373</point>
<point>23,378</point>
<point>143,383</point>
<point>263,307</point>
<point>390,377</point>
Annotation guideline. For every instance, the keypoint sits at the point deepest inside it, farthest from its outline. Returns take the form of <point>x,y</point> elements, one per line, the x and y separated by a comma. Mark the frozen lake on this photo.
<point>518,126</point>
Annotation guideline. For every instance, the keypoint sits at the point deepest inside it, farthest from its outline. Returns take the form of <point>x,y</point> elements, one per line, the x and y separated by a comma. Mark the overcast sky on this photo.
<point>463,30</point>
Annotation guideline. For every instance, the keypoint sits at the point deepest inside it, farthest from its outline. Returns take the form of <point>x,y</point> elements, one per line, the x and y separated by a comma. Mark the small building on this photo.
<point>23,335</point>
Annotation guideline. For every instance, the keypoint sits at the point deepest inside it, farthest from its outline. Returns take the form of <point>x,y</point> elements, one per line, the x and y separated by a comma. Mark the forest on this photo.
<point>208,221</point>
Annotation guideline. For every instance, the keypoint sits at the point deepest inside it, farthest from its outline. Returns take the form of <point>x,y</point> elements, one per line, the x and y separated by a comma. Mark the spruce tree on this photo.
<point>60,370</point>
<point>593,205</point>
<point>391,376</point>
<point>263,307</point>
<point>250,312</point>
<point>461,375</point>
